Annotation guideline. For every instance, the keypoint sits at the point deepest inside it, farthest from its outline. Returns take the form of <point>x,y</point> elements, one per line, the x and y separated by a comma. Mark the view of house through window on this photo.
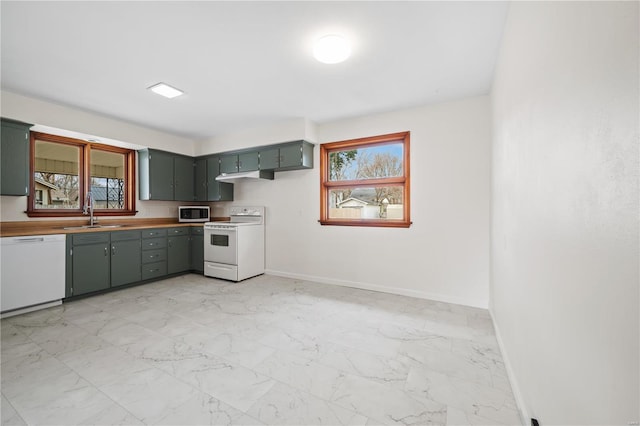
<point>65,170</point>
<point>107,179</point>
<point>365,181</point>
<point>56,176</point>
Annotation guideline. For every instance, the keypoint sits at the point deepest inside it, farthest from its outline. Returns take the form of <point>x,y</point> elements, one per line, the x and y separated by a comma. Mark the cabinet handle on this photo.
<point>105,251</point>
<point>169,243</point>
<point>113,250</point>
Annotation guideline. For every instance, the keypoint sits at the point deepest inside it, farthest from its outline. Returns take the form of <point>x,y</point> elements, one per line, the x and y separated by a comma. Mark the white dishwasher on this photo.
<point>32,272</point>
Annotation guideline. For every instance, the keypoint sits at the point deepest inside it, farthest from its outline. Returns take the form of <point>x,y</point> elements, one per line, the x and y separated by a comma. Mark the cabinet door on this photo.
<point>14,154</point>
<point>125,262</point>
<point>160,175</point>
<point>90,268</point>
<point>183,177</point>
<point>248,161</point>
<point>270,159</point>
<point>197,249</point>
<point>217,191</point>
<point>228,164</point>
<point>291,156</point>
<point>178,254</point>
<point>200,184</point>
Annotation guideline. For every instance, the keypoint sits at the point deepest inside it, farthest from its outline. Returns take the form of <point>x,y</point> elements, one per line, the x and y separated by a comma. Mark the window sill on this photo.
<point>78,213</point>
<point>368,223</point>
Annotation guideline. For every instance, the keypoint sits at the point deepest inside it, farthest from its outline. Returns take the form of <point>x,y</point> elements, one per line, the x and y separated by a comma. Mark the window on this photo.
<point>64,170</point>
<point>365,182</point>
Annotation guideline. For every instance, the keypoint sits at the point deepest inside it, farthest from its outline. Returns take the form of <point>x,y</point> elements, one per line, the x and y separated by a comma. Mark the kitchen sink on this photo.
<point>92,227</point>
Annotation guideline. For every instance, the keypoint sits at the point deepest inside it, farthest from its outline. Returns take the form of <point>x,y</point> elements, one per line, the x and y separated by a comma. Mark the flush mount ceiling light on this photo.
<point>331,49</point>
<point>166,90</point>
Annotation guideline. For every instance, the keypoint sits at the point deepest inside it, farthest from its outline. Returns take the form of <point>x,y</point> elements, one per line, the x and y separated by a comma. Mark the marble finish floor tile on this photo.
<point>192,350</point>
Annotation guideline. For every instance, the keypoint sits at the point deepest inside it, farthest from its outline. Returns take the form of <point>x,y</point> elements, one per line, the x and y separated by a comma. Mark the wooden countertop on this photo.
<point>49,227</point>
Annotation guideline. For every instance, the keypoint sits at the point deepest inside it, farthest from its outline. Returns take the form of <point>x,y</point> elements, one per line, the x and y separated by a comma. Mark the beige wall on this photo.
<point>444,255</point>
<point>565,284</point>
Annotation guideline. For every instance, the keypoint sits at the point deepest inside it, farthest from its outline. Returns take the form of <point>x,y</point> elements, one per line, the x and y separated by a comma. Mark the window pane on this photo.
<point>56,176</point>
<point>107,179</point>
<point>366,203</point>
<point>372,162</point>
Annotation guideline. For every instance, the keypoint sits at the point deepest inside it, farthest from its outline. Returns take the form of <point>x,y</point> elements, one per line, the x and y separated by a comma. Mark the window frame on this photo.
<point>326,185</point>
<point>84,177</point>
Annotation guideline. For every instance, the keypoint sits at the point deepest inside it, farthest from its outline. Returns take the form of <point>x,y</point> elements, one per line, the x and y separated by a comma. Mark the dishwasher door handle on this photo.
<point>29,240</point>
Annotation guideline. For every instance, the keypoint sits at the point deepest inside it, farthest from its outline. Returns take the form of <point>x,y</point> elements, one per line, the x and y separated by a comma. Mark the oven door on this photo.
<point>220,245</point>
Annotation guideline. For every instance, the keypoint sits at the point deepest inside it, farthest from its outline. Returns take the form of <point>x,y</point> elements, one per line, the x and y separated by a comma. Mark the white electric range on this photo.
<point>234,250</point>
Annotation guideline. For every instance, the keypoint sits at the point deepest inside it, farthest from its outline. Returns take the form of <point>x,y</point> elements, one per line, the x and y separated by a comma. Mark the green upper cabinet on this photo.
<point>269,158</point>
<point>240,162</point>
<point>14,154</point>
<point>165,176</point>
<point>214,190</point>
<point>288,156</point>
<point>200,179</point>
<point>183,178</point>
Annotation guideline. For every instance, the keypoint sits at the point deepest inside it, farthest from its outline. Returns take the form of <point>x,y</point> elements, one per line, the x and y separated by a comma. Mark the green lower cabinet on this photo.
<point>98,261</point>
<point>125,262</point>
<point>197,249</point>
<point>178,253</point>
<point>90,268</point>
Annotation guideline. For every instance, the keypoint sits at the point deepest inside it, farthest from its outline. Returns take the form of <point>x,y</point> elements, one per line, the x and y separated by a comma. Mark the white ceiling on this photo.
<point>246,64</point>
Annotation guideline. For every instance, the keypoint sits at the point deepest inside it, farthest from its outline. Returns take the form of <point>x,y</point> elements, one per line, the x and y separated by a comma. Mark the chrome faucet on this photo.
<point>88,208</point>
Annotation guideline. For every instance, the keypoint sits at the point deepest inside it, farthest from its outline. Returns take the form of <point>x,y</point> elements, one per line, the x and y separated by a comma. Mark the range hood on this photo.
<point>256,174</point>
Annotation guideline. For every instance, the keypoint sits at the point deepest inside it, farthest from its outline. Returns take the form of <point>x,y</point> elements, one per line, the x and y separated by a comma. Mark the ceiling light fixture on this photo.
<point>166,90</point>
<point>331,49</point>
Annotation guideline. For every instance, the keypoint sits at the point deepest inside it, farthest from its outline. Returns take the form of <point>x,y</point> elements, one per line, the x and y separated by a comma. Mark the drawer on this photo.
<point>93,238</point>
<point>197,231</point>
<point>154,233</point>
<point>172,232</point>
<point>154,270</point>
<point>150,256</point>
<point>125,235</point>
<point>154,243</point>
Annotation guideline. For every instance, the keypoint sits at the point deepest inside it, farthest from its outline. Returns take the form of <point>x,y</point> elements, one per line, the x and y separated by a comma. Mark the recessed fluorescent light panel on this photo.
<point>332,49</point>
<point>166,90</point>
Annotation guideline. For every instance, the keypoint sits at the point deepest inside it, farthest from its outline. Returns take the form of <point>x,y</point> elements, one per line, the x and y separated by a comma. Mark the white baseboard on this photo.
<point>383,289</point>
<point>524,414</point>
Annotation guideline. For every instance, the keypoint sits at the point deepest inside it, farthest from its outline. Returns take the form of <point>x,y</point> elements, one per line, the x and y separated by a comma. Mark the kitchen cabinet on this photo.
<point>197,249</point>
<point>200,179</point>
<point>154,253</point>
<point>239,162</point>
<point>90,261</point>
<point>207,188</point>
<point>183,178</point>
<point>165,176</point>
<point>126,263</point>
<point>98,261</point>
<point>289,156</point>
<point>217,191</point>
<point>178,250</point>
<point>14,157</point>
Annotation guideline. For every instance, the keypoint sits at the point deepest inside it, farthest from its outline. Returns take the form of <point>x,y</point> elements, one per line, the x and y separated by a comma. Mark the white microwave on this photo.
<point>194,214</point>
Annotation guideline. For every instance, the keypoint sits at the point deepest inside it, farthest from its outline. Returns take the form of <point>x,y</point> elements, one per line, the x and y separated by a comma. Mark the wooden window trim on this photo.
<point>403,181</point>
<point>84,177</point>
